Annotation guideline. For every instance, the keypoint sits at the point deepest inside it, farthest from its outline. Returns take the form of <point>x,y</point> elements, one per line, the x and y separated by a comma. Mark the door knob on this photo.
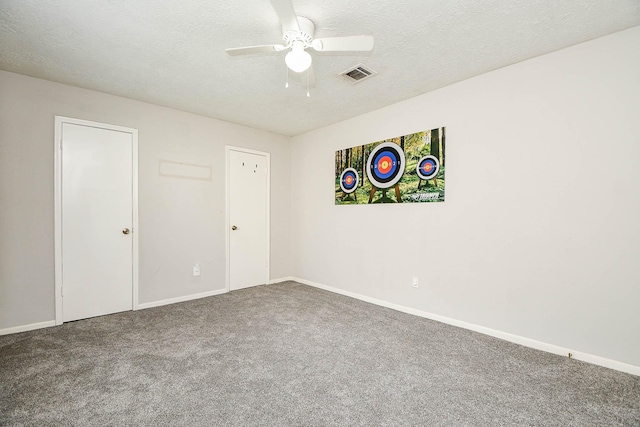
<point>233,227</point>
<point>125,231</point>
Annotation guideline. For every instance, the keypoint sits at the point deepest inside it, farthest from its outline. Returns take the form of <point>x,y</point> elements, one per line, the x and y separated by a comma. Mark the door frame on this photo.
<point>59,120</point>
<point>228,149</point>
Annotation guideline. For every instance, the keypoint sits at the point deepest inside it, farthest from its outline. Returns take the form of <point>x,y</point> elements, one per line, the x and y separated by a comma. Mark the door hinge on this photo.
<point>62,291</point>
<point>61,144</point>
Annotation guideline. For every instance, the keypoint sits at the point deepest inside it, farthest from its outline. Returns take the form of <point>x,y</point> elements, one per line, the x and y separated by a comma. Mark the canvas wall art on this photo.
<point>405,169</point>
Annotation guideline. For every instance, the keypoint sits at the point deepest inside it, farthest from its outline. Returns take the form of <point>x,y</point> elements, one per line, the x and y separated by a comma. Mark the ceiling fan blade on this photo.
<point>268,48</point>
<point>286,13</point>
<point>344,44</point>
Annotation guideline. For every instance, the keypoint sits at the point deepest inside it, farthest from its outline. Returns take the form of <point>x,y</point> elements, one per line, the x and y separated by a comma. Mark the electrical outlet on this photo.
<point>196,269</point>
<point>414,282</point>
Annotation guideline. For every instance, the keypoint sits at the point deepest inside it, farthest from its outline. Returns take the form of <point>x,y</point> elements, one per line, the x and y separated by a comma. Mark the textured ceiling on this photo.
<point>171,53</point>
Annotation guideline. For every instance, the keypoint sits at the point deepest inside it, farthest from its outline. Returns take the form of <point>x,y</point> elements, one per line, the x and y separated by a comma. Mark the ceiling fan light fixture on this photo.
<point>298,60</point>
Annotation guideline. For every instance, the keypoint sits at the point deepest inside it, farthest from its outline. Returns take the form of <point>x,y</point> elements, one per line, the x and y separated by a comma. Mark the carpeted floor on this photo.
<point>292,355</point>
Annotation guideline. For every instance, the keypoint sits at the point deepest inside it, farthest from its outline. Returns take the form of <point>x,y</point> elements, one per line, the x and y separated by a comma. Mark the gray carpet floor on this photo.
<point>292,355</point>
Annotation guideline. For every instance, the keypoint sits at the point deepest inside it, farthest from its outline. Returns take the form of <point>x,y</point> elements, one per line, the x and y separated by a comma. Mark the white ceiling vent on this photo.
<point>358,73</point>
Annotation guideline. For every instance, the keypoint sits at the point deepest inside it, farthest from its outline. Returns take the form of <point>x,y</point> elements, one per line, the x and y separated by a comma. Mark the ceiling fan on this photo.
<point>297,36</point>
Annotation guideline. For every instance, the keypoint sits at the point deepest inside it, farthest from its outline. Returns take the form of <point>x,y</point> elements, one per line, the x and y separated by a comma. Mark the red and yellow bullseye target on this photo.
<point>349,180</point>
<point>428,167</point>
<point>385,165</point>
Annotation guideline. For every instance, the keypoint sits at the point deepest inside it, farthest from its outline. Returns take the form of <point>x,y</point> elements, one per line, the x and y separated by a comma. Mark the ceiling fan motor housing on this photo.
<point>305,35</point>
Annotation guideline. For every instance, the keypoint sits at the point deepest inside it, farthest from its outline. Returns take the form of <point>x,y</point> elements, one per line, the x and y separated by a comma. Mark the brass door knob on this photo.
<point>125,231</point>
<point>233,227</point>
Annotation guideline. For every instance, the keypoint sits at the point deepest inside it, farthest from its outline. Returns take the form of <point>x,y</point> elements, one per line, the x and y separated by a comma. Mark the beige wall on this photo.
<point>540,232</point>
<point>182,221</point>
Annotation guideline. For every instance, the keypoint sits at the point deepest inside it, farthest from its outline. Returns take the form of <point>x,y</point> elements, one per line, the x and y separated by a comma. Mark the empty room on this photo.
<point>297,213</point>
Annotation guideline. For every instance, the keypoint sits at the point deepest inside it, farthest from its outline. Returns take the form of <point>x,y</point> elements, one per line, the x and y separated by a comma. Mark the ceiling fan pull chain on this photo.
<point>286,85</point>
<point>308,94</point>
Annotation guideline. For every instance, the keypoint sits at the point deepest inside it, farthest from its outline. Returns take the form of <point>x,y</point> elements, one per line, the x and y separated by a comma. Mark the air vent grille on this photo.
<point>358,73</point>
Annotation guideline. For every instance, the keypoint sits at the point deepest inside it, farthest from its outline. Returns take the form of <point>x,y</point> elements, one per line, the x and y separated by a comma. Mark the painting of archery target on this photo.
<point>349,180</point>
<point>385,165</point>
<point>428,167</point>
<point>383,171</point>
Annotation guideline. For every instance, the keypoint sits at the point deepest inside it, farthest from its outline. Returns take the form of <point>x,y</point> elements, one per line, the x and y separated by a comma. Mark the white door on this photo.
<point>97,221</point>
<point>248,219</point>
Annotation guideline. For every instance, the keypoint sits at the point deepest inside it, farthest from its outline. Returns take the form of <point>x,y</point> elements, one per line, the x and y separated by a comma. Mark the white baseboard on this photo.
<point>25,328</point>
<point>31,327</point>
<point>281,279</point>
<point>527,342</point>
<point>180,299</point>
